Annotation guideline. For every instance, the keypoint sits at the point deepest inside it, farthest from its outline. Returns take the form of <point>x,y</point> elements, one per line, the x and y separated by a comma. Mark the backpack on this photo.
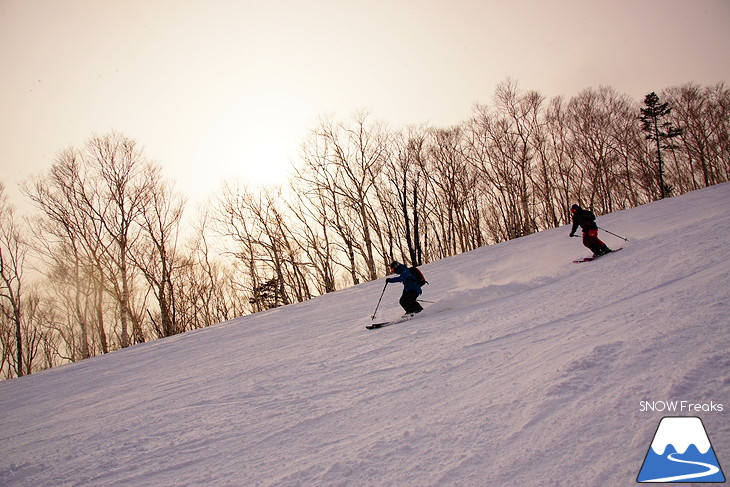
<point>420,279</point>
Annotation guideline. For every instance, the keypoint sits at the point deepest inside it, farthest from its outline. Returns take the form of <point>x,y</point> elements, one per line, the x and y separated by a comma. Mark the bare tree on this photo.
<point>208,291</point>
<point>502,146</point>
<point>38,334</point>
<point>456,198</point>
<point>595,150</point>
<point>157,255</point>
<point>92,200</point>
<point>557,174</point>
<point>116,204</point>
<point>407,174</point>
<point>257,222</point>
<point>314,234</point>
<point>340,169</point>
<point>13,253</point>
<point>353,158</point>
<point>72,247</point>
<point>705,138</point>
<point>107,234</point>
<point>23,316</point>
<point>315,181</point>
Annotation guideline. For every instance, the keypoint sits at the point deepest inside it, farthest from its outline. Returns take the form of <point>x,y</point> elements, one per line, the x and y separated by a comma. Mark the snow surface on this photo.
<point>527,370</point>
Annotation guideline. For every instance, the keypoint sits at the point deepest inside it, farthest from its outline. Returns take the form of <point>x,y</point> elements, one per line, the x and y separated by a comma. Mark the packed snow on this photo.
<point>525,369</point>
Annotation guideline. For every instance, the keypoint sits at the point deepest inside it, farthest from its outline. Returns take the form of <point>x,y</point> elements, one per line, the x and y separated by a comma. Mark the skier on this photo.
<point>587,221</point>
<point>411,287</point>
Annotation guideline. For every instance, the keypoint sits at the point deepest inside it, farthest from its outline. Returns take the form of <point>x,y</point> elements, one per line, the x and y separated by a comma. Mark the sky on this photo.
<point>216,90</point>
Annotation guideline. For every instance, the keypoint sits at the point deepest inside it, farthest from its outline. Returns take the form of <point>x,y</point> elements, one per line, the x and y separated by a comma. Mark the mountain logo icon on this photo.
<point>681,452</point>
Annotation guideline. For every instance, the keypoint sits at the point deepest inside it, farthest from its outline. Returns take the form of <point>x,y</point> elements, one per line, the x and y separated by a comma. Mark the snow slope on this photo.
<point>527,370</point>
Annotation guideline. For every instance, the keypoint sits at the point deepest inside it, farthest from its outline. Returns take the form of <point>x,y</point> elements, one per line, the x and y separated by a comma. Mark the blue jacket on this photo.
<point>410,282</point>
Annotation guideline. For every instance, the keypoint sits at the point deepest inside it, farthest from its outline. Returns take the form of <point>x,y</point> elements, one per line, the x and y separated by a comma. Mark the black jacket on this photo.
<point>586,219</point>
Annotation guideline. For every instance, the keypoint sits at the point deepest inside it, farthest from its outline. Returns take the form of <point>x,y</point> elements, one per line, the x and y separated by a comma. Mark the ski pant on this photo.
<point>591,240</point>
<point>409,303</point>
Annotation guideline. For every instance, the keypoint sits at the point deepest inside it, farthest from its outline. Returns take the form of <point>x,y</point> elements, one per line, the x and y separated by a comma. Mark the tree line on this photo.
<point>116,262</point>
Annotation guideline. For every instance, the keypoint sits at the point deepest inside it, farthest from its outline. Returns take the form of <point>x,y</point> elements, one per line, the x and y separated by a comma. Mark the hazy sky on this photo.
<point>217,89</point>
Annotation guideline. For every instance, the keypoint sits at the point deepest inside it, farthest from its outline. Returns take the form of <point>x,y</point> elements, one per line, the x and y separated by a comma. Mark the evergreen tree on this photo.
<point>266,296</point>
<point>660,132</point>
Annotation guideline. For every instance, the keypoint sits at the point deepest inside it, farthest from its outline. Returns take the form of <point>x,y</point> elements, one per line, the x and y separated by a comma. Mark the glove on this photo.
<point>572,234</point>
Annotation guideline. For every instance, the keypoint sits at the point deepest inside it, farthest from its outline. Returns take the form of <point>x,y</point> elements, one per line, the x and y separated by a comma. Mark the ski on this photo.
<point>590,259</point>
<point>379,325</point>
<point>375,326</point>
<point>584,259</point>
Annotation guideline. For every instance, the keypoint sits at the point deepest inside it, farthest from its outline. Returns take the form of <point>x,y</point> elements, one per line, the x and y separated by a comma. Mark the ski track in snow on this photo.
<point>525,370</point>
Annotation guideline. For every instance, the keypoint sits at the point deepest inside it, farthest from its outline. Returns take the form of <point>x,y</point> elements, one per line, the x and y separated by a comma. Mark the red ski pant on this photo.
<point>591,240</point>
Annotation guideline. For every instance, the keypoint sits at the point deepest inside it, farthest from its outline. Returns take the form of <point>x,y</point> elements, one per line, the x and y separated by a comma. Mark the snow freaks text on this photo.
<point>680,407</point>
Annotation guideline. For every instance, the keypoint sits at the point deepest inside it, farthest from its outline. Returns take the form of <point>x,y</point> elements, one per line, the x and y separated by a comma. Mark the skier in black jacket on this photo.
<point>587,221</point>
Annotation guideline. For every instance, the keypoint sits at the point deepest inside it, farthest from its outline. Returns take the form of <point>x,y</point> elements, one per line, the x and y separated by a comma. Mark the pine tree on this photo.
<point>266,296</point>
<point>660,132</point>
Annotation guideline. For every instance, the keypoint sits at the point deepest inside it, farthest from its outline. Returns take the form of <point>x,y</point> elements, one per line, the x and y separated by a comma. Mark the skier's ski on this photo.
<point>589,259</point>
<point>374,326</point>
<point>584,259</point>
<point>379,325</point>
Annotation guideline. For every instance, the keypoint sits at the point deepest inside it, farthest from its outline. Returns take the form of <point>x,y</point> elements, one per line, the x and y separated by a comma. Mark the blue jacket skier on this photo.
<point>411,287</point>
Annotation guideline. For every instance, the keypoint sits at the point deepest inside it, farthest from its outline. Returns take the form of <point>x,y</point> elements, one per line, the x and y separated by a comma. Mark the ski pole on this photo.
<point>619,236</point>
<point>379,300</point>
